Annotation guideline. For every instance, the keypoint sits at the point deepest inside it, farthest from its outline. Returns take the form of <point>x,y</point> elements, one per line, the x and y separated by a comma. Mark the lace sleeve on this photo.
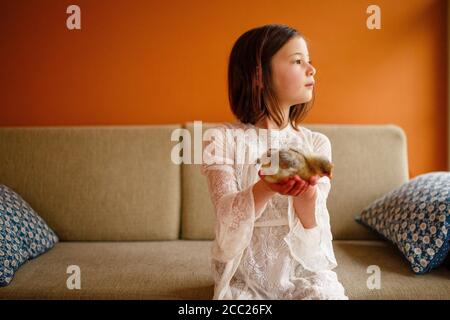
<point>313,247</point>
<point>234,208</point>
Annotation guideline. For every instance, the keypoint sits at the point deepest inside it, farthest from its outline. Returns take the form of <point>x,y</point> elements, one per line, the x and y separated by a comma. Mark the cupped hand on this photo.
<point>291,186</point>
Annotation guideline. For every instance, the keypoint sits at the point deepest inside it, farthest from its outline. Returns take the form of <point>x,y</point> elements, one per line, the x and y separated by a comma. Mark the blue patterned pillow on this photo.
<point>416,218</point>
<point>24,235</point>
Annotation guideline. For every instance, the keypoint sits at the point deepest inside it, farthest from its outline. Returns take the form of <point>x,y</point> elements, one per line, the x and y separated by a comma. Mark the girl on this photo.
<point>273,241</point>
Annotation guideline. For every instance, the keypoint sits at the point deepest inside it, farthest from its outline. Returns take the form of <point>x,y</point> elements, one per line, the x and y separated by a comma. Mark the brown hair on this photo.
<point>250,90</point>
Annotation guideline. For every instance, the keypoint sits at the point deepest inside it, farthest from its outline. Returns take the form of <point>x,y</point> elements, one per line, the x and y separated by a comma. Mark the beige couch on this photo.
<point>140,227</point>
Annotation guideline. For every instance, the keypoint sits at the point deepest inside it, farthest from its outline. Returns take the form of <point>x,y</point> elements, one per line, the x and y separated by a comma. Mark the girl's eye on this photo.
<point>299,61</point>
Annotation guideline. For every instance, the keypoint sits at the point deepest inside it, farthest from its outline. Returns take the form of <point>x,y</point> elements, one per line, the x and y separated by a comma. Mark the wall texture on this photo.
<point>156,62</point>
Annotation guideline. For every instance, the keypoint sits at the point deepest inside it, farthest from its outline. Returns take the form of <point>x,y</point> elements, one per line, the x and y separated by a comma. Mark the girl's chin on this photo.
<point>305,100</point>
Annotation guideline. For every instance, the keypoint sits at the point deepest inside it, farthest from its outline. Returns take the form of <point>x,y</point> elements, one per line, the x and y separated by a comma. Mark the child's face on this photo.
<point>291,72</point>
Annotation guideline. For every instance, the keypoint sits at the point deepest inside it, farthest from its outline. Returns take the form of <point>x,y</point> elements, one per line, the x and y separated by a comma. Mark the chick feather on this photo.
<point>294,162</point>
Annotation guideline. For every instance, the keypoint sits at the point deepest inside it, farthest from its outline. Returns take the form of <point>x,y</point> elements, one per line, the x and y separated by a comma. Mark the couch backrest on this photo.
<point>370,160</point>
<point>118,183</point>
<point>96,183</point>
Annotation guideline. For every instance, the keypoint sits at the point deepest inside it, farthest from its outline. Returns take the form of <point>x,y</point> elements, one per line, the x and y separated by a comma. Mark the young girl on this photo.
<point>273,241</point>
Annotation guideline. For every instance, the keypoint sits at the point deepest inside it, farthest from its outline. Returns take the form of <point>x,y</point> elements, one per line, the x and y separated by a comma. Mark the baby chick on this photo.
<point>293,162</point>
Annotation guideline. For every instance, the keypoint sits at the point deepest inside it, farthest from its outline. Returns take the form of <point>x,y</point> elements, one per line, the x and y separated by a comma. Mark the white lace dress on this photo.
<point>266,254</point>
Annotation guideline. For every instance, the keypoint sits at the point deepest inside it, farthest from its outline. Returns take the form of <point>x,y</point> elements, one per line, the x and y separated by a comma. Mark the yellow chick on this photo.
<point>294,162</point>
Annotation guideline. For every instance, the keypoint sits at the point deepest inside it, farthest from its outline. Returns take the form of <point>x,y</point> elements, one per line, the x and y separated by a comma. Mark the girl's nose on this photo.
<point>311,71</point>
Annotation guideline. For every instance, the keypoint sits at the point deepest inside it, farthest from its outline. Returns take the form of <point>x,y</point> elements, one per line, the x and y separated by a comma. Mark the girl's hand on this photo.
<point>292,186</point>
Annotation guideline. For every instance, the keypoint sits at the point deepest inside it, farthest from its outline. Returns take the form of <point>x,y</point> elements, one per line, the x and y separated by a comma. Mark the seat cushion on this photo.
<point>180,270</point>
<point>117,270</point>
<point>397,280</point>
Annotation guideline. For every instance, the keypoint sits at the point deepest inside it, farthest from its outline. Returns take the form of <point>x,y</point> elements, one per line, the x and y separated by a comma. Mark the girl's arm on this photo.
<point>304,194</point>
<point>236,209</point>
<point>310,238</point>
<point>261,194</point>
<point>305,207</point>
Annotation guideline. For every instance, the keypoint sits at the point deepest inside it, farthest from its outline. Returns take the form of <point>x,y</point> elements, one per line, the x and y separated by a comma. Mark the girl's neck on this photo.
<point>267,123</point>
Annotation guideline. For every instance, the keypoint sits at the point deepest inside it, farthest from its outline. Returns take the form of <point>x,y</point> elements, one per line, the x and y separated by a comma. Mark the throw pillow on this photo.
<point>24,235</point>
<point>416,218</point>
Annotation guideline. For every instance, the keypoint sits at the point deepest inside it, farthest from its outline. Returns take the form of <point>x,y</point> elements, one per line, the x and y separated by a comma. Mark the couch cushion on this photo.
<point>117,270</point>
<point>181,270</point>
<point>96,183</point>
<point>197,215</point>
<point>370,160</point>
<point>397,280</point>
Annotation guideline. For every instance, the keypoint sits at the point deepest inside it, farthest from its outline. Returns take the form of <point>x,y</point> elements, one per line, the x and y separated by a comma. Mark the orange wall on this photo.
<point>155,62</point>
